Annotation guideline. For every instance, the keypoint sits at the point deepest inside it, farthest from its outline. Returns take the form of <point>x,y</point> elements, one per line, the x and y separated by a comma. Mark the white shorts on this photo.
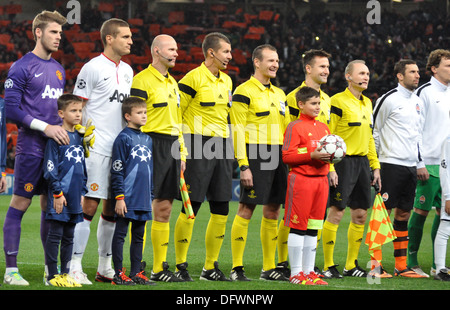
<point>98,175</point>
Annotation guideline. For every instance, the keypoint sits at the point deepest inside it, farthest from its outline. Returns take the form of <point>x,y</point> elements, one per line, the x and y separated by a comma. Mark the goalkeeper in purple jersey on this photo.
<point>132,187</point>
<point>32,88</point>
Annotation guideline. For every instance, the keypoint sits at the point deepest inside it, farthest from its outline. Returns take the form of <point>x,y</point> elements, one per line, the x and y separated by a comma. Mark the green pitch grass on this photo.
<point>31,257</point>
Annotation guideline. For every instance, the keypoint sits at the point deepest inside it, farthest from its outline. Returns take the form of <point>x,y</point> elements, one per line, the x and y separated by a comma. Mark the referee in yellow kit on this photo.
<point>351,119</point>
<point>205,103</point>
<point>259,117</point>
<point>160,90</point>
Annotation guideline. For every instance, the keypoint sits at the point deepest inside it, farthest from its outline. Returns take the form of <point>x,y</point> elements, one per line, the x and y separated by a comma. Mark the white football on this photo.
<point>334,145</point>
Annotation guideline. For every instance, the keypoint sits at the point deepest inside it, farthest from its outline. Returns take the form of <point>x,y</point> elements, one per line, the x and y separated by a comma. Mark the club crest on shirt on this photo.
<point>59,75</point>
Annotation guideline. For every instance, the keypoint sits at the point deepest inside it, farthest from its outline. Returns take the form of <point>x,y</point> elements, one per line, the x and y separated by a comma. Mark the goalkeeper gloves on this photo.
<point>88,136</point>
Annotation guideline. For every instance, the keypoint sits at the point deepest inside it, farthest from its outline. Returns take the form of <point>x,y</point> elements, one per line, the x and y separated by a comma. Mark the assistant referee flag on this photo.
<point>380,229</point>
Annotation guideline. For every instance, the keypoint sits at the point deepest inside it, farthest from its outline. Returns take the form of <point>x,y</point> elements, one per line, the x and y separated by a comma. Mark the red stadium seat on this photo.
<point>5,39</point>
<point>70,34</point>
<point>68,59</point>
<point>30,34</point>
<point>106,7</point>
<point>140,60</point>
<point>219,8</point>
<point>239,57</point>
<point>154,29</point>
<point>176,17</point>
<point>4,66</point>
<point>256,30</point>
<point>265,15</point>
<point>57,55</point>
<point>181,55</point>
<point>83,49</point>
<point>250,36</point>
<point>136,22</point>
<point>13,9</point>
<point>250,17</point>
<point>94,36</point>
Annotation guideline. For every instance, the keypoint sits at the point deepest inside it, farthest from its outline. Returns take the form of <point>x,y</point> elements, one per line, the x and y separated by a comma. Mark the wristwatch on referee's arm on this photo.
<point>244,167</point>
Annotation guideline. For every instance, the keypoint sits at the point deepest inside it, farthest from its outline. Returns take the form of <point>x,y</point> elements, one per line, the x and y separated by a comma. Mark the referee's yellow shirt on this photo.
<point>325,105</point>
<point>163,103</point>
<point>258,115</point>
<point>205,102</point>
<point>351,119</point>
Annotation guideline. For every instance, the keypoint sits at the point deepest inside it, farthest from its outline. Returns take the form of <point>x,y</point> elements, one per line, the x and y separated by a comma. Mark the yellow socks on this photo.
<point>354,235</point>
<point>239,231</point>
<point>283,235</point>
<point>160,240</point>
<point>269,234</point>
<point>215,233</point>
<point>329,232</point>
<point>183,237</point>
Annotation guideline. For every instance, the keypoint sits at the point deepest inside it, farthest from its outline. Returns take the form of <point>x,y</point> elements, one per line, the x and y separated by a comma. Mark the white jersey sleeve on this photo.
<point>86,81</point>
<point>444,175</point>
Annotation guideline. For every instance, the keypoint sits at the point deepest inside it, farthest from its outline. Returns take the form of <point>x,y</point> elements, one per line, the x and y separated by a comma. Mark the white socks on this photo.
<point>80,240</point>
<point>440,245</point>
<point>105,232</point>
<point>302,253</point>
<point>309,253</point>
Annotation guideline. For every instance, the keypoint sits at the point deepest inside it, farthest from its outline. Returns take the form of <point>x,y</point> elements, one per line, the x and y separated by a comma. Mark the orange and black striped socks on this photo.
<point>400,244</point>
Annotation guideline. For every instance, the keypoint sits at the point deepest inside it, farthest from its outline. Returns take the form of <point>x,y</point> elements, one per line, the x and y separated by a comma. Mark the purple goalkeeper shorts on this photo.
<point>29,176</point>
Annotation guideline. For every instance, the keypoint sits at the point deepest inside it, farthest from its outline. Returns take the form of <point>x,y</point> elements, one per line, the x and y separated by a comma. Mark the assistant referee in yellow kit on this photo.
<point>259,117</point>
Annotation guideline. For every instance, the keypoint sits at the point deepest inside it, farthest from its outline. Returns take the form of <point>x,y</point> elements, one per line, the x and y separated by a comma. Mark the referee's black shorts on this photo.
<point>269,176</point>
<point>209,168</point>
<point>398,186</point>
<point>354,188</point>
<point>166,166</point>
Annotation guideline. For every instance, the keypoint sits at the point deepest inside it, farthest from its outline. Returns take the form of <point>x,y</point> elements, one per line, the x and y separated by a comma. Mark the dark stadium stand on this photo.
<point>346,36</point>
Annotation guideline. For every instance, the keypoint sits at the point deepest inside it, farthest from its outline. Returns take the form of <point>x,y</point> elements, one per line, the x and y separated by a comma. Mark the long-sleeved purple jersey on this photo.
<point>32,88</point>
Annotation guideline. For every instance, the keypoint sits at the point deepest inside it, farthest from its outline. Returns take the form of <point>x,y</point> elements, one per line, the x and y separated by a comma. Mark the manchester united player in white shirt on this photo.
<point>104,82</point>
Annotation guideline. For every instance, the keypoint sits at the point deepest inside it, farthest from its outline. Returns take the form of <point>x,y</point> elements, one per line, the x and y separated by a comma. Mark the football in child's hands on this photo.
<point>335,146</point>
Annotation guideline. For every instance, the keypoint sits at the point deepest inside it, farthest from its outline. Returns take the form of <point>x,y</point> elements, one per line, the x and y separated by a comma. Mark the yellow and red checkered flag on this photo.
<point>185,197</point>
<point>380,229</point>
